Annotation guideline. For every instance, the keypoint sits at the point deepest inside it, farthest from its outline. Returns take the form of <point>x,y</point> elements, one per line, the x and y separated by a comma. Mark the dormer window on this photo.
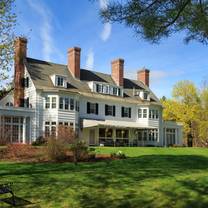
<point>145,95</point>
<point>106,89</point>
<point>60,81</point>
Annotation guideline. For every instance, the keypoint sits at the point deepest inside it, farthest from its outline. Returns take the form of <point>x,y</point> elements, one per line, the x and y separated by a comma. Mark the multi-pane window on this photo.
<point>171,136</point>
<point>107,89</point>
<point>110,110</point>
<point>11,129</point>
<point>53,129</point>
<point>139,113</point>
<point>153,114</point>
<point>145,95</point>
<point>47,129</point>
<point>147,134</point>
<point>71,104</point>
<point>53,102</point>
<point>144,113</point>
<point>99,88</point>
<point>60,81</point>
<point>50,129</point>
<point>66,103</point>
<point>47,102</point>
<point>61,103</point>
<point>92,108</point>
<point>126,112</point>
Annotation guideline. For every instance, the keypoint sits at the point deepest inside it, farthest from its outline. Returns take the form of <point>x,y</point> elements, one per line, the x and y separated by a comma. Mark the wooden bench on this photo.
<point>7,189</point>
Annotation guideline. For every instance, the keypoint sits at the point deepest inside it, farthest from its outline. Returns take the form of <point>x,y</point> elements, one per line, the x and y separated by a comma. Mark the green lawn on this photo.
<point>151,177</point>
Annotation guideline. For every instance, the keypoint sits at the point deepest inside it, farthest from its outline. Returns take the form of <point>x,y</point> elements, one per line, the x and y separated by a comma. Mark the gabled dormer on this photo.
<point>143,94</point>
<point>59,80</point>
<point>105,88</point>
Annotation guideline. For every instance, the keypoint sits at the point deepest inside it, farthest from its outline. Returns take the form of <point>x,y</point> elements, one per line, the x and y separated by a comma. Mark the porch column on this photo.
<point>165,137</point>
<point>114,136</point>
<point>24,131</point>
<point>176,136</point>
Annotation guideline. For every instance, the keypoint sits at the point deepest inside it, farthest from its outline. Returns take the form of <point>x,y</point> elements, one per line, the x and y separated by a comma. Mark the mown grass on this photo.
<point>150,177</point>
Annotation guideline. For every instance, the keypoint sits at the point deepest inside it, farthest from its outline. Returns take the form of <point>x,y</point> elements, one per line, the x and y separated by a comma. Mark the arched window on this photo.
<point>9,104</point>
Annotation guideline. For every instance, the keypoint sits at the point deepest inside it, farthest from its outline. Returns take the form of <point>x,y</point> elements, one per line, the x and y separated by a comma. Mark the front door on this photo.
<point>92,137</point>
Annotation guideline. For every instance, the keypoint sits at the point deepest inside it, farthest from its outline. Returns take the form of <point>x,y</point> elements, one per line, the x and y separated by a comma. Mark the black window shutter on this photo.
<point>27,82</point>
<point>88,107</point>
<point>28,102</point>
<point>114,110</point>
<point>106,110</point>
<point>23,82</point>
<point>129,112</point>
<point>122,111</point>
<point>97,108</point>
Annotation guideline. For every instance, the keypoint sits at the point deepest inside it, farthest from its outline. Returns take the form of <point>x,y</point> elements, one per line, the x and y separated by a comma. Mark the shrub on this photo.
<point>20,151</point>
<point>56,150</point>
<point>118,155</point>
<point>80,151</point>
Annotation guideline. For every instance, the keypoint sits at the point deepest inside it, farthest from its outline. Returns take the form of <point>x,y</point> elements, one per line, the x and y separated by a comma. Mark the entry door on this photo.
<point>92,137</point>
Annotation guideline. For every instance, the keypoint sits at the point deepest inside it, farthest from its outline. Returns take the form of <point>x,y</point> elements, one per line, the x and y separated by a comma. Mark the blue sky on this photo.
<point>53,26</point>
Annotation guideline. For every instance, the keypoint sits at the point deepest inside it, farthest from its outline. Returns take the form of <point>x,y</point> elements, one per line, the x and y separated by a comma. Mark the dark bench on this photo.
<point>7,189</point>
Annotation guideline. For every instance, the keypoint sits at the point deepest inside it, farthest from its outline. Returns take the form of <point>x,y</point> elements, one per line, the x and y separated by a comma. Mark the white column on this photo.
<point>165,137</point>
<point>24,131</point>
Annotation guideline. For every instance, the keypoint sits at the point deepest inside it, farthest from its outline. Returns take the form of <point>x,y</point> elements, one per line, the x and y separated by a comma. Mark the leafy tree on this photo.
<point>189,106</point>
<point>186,92</point>
<point>7,23</point>
<point>155,19</point>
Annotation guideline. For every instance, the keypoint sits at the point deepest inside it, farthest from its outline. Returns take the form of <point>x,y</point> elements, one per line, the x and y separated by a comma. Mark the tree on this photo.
<point>7,24</point>
<point>186,92</point>
<point>155,19</point>
<point>189,106</point>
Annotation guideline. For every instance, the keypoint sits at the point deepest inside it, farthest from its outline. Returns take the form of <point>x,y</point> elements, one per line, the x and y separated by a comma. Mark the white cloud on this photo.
<point>46,29</point>
<point>90,59</point>
<point>157,76</point>
<point>106,32</point>
<point>103,4</point>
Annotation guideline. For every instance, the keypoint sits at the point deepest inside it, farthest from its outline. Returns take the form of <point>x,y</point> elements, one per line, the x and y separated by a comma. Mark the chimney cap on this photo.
<point>74,49</point>
<point>120,60</point>
<point>143,70</point>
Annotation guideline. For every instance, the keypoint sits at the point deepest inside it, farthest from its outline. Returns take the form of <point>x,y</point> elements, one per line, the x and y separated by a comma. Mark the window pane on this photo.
<point>61,103</point>
<point>66,103</point>
<point>53,102</point>
<point>144,113</point>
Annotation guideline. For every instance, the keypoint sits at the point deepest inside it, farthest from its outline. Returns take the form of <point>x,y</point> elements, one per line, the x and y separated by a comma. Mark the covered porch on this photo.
<point>111,133</point>
<point>15,125</point>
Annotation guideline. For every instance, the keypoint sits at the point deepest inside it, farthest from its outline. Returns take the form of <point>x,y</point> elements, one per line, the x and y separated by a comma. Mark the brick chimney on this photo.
<point>20,53</point>
<point>143,75</point>
<point>117,70</point>
<point>74,61</point>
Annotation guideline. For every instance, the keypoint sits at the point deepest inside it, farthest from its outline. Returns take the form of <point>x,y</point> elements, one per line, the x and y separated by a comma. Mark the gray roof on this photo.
<point>41,71</point>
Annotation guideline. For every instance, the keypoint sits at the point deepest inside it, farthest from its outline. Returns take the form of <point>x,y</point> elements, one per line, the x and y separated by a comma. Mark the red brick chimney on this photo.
<point>74,61</point>
<point>20,53</point>
<point>143,75</point>
<point>117,70</point>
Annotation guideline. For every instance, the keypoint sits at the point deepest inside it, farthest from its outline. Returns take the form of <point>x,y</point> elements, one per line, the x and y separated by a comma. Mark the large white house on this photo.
<point>105,109</point>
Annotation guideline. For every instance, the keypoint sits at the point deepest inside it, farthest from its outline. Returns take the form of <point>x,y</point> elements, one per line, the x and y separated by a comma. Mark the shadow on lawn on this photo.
<point>122,183</point>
